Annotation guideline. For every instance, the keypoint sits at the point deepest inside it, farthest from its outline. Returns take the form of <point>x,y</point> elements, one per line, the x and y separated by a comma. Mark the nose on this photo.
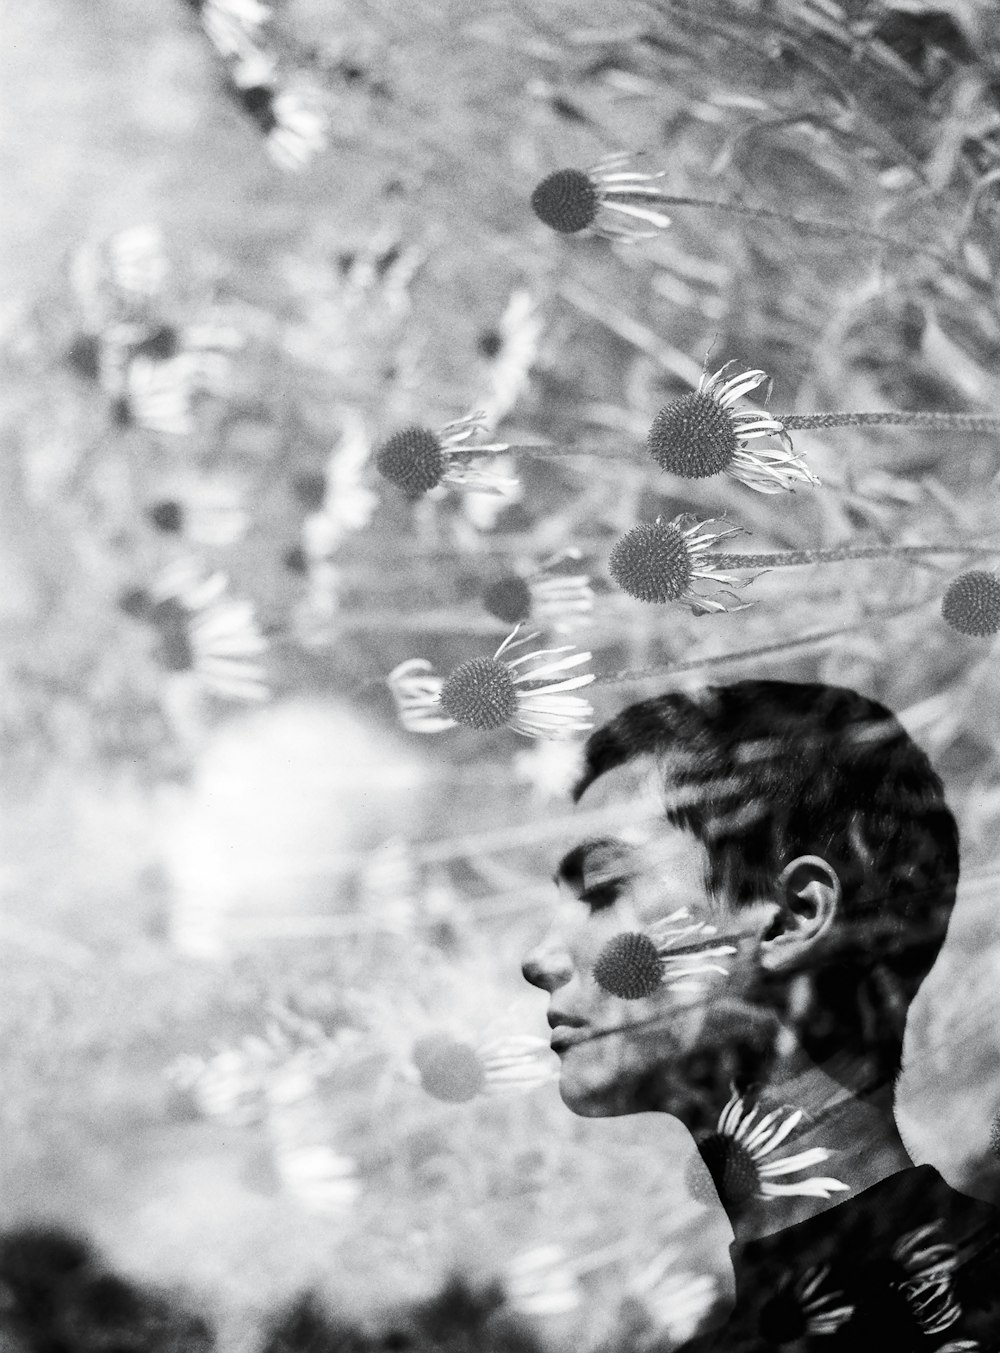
<point>548,965</point>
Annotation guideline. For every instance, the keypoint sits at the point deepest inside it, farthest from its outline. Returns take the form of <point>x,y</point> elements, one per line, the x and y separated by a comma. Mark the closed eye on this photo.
<point>602,895</point>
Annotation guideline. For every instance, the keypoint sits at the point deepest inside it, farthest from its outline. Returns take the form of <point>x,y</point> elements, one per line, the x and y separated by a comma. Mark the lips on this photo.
<point>566,1030</point>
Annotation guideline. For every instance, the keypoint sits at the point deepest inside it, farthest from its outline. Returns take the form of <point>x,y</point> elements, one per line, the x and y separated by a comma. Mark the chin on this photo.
<point>594,1097</point>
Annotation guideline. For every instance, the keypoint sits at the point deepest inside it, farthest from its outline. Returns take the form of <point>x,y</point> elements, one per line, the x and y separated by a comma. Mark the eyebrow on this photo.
<point>571,867</point>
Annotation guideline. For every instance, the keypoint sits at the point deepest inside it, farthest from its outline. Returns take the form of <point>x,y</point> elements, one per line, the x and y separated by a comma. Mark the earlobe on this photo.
<point>808,897</point>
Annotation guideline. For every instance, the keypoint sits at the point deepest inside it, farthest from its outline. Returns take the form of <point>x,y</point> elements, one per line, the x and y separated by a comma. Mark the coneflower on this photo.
<point>805,1307</point>
<point>660,561</point>
<point>417,460</point>
<point>671,954</point>
<point>929,1263</point>
<point>559,600</point>
<point>232,26</point>
<point>626,205</point>
<point>702,434</point>
<point>203,512</point>
<point>542,1282</point>
<point>455,1071</point>
<point>203,632</point>
<point>676,1299</point>
<point>971,604</point>
<point>529,694</point>
<point>736,1155</point>
<point>120,278</point>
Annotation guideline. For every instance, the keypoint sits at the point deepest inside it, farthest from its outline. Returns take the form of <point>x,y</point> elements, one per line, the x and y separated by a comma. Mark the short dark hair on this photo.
<point>764,771</point>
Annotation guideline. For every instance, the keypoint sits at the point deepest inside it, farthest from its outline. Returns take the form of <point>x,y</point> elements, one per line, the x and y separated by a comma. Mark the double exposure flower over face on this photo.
<point>417,460</point>
<point>530,693</point>
<point>675,953</point>
<point>703,434</point>
<point>738,1155</point>
<point>661,561</point>
<point>971,604</point>
<point>609,200</point>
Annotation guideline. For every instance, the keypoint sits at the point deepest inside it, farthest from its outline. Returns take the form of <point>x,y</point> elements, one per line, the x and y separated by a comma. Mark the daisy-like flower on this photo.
<point>660,561</point>
<point>542,1282</point>
<point>418,460</point>
<point>416,693</point>
<point>551,597</point>
<point>929,1289</point>
<point>299,130</point>
<point>738,1156</point>
<point>341,500</point>
<point>388,886</point>
<point>806,1307</point>
<point>121,277</point>
<point>455,1071</point>
<point>313,1172</point>
<point>511,351</point>
<point>529,694</point>
<point>676,1300</point>
<point>203,512</point>
<point>157,394</point>
<point>608,200</point>
<point>207,634</point>
<point>703,434</point>
<point>971,604</point>
<point>228,1085</point>
<point>232,25</point>
<point>674,954</point>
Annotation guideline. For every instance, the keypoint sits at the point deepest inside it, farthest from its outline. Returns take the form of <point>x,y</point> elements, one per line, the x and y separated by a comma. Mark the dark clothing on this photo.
<point>907,1266</point>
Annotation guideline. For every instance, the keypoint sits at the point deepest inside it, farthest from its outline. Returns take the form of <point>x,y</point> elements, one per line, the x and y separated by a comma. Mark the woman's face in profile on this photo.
<point>641,876</point>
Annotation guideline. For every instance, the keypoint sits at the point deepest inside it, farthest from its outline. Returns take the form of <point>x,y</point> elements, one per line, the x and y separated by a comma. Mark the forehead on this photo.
<point>628,805</point>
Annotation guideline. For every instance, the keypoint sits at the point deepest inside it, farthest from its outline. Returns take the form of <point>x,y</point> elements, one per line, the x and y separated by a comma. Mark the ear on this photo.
<point>809,898</point>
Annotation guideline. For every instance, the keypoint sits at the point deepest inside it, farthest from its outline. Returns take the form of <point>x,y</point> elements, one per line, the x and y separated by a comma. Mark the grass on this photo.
<point>840,111</point>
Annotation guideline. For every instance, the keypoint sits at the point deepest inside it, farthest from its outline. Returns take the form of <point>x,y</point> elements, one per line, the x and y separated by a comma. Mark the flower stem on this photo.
<point>957,422</point>
<point>836,229</point>
<point>625,678</point>
<point>791,558</point>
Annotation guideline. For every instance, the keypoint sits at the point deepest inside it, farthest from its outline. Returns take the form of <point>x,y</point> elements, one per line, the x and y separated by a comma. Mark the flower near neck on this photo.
<point>675,1299</point>
<point>417,460</point>
<point>529,694</point>
<point>659,562</point>
<point>702,434</point>
<point>738,1156</point>
<point>971,604</point>
<point>675,954</point>
<point>807,1307</point>
<point>930,1264</point>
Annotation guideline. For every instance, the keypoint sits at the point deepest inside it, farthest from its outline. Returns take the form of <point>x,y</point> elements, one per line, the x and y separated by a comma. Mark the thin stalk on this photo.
<point>955,422</point>
<point>791,558</point>
<point>835,229</point>
<point>628,677</point>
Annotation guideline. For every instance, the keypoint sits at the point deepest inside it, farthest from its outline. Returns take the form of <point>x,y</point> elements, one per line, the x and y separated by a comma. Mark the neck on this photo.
<point>856,1126</point>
